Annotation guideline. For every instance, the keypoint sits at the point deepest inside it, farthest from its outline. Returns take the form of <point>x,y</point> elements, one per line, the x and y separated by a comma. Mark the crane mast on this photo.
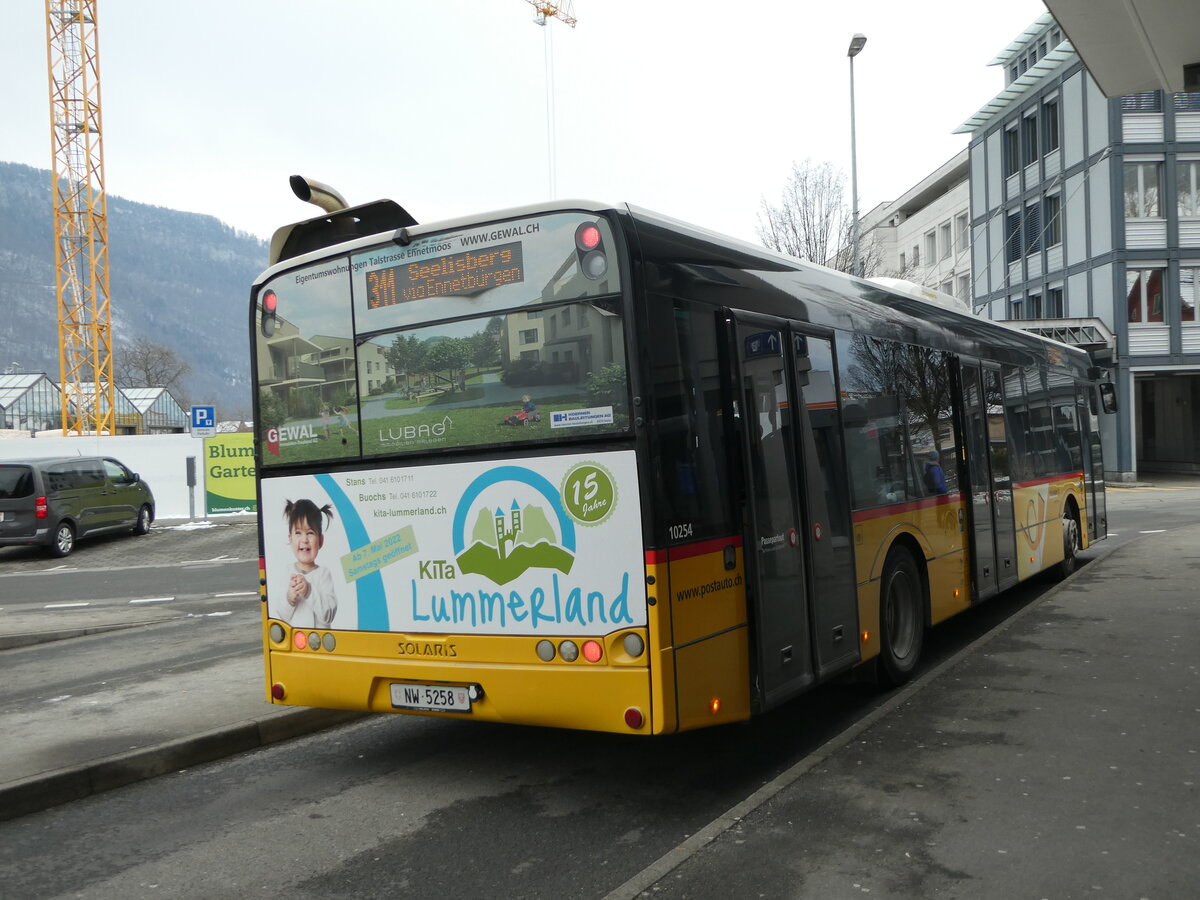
<point>80,219</point>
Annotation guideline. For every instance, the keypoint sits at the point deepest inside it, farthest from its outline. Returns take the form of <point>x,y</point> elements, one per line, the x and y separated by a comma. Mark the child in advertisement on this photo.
<point>310,600</point>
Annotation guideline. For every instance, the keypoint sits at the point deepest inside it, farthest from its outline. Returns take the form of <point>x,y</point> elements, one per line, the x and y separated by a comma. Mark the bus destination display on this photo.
<point>457,273</point>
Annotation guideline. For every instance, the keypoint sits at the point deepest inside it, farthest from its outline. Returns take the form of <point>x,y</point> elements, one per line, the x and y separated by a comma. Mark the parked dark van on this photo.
<point>52,503</point>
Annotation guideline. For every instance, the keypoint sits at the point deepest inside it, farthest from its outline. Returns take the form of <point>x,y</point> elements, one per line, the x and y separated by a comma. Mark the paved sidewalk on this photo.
<point>1058,756</point>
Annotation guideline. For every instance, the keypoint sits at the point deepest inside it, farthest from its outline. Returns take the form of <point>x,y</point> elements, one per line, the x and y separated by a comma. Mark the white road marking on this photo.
<point>65,605</point>
<point>153,600</point>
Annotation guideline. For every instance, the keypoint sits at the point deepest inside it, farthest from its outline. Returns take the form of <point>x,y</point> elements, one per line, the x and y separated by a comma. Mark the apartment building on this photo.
<point>1085,226</point>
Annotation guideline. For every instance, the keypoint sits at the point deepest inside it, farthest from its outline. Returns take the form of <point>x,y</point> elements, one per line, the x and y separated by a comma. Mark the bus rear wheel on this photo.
<point>1071,546</point>
<point>901,618</point>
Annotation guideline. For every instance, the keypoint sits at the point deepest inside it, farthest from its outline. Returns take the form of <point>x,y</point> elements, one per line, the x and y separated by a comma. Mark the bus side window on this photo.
<point>691,454</point>
<point>876,452</point>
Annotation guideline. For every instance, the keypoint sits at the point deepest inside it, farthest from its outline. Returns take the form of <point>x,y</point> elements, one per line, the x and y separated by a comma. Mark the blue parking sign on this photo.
<point>204,417</point>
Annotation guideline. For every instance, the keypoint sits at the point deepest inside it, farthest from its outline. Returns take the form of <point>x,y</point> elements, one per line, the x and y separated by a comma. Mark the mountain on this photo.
<point>178,279</point>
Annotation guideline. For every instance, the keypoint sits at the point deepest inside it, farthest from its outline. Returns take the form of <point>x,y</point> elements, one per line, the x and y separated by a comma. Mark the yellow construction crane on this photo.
<point>546,10</point>
<point>80,219</point>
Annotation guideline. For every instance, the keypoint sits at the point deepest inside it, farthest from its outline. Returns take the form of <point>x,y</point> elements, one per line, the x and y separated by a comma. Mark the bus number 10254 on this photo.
<point>680,532</point>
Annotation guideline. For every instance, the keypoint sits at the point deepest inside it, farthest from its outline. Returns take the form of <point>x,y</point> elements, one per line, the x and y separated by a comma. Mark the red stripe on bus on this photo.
<point>687,551</point>
<point>928,503</point>
<point>1051,479</point>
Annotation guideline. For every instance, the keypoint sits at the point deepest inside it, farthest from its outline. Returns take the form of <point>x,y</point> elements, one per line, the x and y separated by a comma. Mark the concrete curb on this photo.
<point>42,791</point>
<point>32,638</point>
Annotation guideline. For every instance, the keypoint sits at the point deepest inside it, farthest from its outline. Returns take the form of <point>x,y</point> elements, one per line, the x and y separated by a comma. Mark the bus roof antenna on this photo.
<point>319,194</point>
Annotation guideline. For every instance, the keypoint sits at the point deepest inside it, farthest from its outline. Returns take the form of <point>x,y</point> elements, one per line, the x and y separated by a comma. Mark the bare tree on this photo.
<point>813,220</point>
<point>144,363</point>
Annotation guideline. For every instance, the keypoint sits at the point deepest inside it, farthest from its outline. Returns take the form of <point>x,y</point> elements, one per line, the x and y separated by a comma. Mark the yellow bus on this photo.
<point>586,466</point>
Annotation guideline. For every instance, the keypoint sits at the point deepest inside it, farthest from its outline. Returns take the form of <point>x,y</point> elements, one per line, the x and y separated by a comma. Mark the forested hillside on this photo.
<point>178,279</point>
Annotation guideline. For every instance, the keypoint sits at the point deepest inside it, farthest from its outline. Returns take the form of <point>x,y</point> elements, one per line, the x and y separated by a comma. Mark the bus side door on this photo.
<point>989,484</point>
<point>792,545</point>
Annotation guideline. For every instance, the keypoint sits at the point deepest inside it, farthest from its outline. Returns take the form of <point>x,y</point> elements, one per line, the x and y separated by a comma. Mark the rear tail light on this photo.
<point>589,251</point>
<point>270,309</point>
<point>592,651</point>
<point>40,508</point>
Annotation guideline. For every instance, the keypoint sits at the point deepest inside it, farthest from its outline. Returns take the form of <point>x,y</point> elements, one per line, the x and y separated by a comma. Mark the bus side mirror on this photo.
<point>1108,396</point>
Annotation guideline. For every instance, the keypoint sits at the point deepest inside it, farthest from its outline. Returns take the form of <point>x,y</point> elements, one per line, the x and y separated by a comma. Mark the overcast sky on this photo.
<point>692,108</point>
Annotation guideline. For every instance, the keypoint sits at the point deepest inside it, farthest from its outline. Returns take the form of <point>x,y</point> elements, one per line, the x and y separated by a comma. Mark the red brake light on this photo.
<point>587,236</point>
<point>592,651</point>
<point>40,508</point>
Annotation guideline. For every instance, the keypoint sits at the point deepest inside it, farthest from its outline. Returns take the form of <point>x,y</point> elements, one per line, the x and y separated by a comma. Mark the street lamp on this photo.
<point>856,44</point>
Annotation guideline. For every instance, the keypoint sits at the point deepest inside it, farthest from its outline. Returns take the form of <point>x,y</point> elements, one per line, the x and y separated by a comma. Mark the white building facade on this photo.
<point>924,235</point>
<point>1085,226</point>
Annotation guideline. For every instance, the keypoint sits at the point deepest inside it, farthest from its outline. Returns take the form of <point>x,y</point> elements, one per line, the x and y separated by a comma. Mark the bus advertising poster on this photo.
<point>528,331</point>
<point>550,545</point>
<point>229,473</point>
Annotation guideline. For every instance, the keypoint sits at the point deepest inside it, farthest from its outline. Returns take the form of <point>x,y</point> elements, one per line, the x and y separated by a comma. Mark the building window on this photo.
<point>1187,187</point>
<point>1012,152</point>
<point>1016,310</point>
<point>1054,303</point>
<point>964,287</point>
<point>1029,140</point>
<point>1189,293</point>
<point>931,246</point>
<point>916,256</point>
<point>1013,237</point>
<point>947,243</point>
<point>947,286</point>
<point>962,224</point>
<point>1052,216</point>
<point>1033,228</point>
<point>902,263</point>
<point>1143,187</point>
<point>1186,102</point>
<point>1143,288</point>
<point>529,336</point>
<point>1034,310</point>
<point>1050,138</point>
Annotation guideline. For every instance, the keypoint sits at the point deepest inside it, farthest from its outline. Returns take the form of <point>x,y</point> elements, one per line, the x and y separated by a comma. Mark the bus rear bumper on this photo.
<point>580,695</point>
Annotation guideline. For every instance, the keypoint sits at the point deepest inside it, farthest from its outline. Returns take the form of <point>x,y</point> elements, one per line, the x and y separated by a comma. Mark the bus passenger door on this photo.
<point>993,532</point>
<point>825,505</point>
<point>762,404</point>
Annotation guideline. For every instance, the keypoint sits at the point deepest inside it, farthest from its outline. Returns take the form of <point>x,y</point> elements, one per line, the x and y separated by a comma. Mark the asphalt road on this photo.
<point>392,806</point>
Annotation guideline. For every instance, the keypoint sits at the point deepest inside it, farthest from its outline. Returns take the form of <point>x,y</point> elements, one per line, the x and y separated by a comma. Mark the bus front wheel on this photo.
<point>901,618</point>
